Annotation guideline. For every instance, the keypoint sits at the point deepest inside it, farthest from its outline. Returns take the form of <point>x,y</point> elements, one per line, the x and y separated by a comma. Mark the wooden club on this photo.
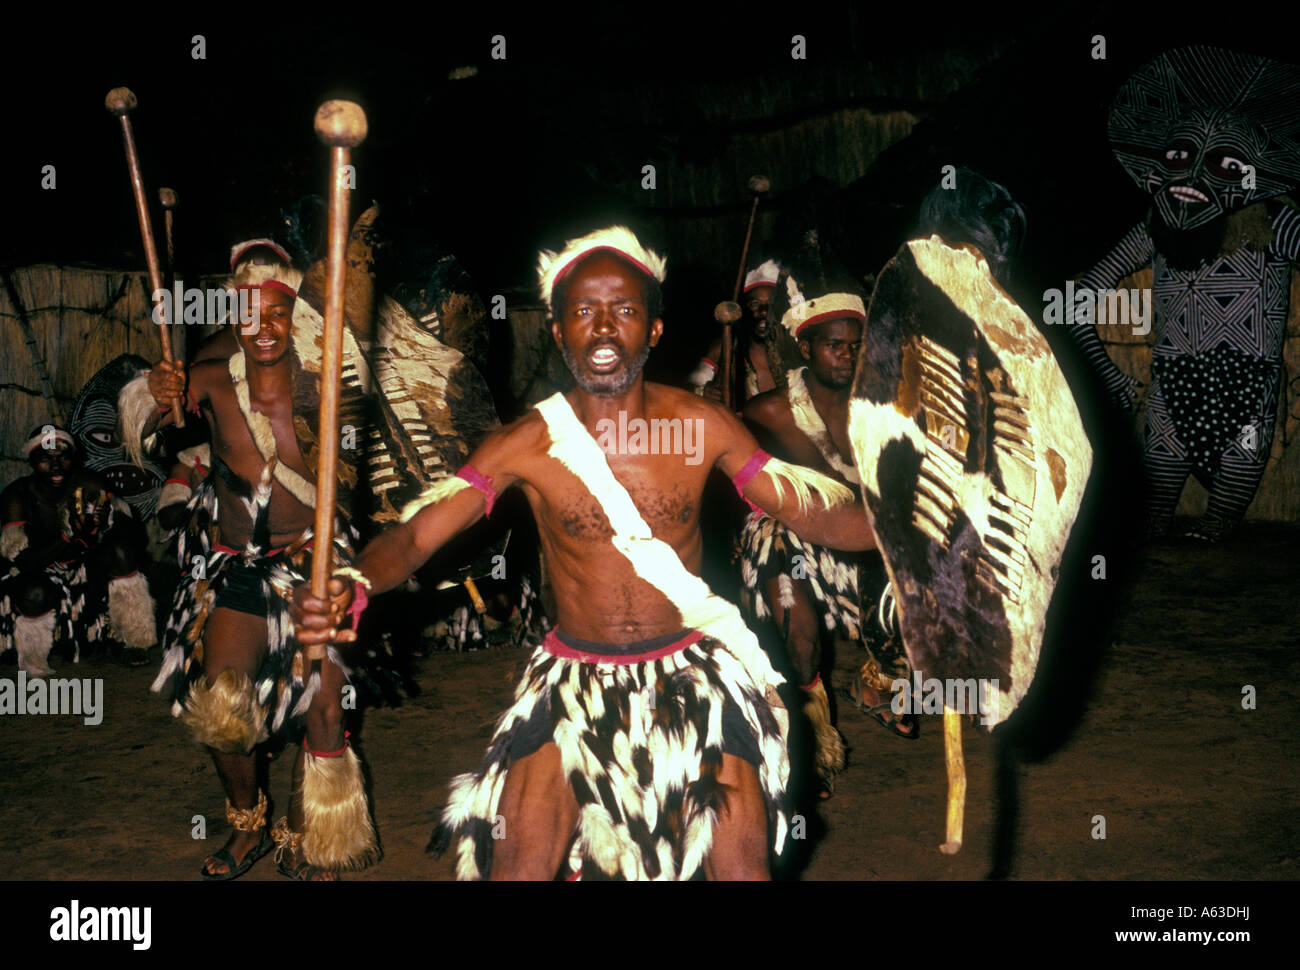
<point>342,126</point>
<point>170,200</point>
<point>121,102</point>
<point>759,185</point>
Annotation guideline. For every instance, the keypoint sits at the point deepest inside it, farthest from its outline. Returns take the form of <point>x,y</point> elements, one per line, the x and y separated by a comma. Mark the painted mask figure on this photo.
<point>1214,137</point>
<point>1208,132</point>
<point>93,423</point>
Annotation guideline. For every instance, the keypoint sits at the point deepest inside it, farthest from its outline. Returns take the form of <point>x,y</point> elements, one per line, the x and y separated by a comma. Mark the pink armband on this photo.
<point>480,481</point>
<point>746,475</point>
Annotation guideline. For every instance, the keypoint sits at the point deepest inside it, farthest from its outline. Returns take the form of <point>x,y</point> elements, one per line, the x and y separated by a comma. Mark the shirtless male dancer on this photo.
<point>648,725</point>
<point>229,663</point>
<point>755,299</point>
<point>806,591</point>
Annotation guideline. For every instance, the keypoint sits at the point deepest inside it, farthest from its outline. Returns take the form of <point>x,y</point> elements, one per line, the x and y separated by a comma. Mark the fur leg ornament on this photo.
<point>830,746</point>
<point>131,611</point>
<point>338,833</point>
<point>34,638</point>
<point>227,715</point>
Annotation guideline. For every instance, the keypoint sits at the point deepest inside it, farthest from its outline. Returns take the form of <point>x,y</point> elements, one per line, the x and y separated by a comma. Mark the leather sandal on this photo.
<point>243,820</point>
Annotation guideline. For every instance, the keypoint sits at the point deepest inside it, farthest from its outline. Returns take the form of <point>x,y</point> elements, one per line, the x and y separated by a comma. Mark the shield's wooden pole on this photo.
<point>342,126</point>
<point>956,765</point>
<point>759,186</point>
<point>121,102</point>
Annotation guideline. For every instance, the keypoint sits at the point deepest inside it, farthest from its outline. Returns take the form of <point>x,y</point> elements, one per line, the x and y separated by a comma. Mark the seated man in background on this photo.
<point>70,556</point>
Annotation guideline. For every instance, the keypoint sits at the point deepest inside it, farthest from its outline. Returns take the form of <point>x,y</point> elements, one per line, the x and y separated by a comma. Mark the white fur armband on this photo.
<point>805,483</point>
<point>354,574</point>
<point>434,493</point>
<point>174,491</point>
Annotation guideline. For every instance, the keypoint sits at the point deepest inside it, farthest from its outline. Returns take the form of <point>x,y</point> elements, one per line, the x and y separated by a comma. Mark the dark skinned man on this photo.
<point>69,561</point>
<point>805,591</point>
<point>230,618</point>
<point>755,299</point>
<point>647,738</point>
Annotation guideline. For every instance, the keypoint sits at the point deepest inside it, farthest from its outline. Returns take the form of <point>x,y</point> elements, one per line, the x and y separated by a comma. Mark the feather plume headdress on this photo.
<point>765,273</point>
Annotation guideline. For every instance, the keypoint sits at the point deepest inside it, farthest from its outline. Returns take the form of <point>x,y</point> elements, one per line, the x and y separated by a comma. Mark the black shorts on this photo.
<point>242,590</point>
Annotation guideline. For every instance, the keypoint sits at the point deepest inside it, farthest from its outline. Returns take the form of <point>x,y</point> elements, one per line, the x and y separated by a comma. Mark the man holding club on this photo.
<point>236,676</point>
<point>802,590</point>
<point>755,299</point>
<point>647,739</point>
<point>227,640</point>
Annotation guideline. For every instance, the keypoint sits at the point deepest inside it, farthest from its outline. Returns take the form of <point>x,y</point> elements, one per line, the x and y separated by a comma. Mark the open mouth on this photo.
<point>56,479</point>
<point>1185,193</point>
<point>604,358</point>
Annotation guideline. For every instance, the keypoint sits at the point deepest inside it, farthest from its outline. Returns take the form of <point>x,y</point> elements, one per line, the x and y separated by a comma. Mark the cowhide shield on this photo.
<point>417,407</point>
<point>973,463</point>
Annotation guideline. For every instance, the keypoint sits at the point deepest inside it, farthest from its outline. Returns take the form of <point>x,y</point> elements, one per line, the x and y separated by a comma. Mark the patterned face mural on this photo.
<point>93,424</point>
<point>1208,131</point>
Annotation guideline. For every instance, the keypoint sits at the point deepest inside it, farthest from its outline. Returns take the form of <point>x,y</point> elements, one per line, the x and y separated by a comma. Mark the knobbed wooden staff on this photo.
<point>121,102</point>
<point>170,200</point>
<point>342,126</point>
<point>728,311</point>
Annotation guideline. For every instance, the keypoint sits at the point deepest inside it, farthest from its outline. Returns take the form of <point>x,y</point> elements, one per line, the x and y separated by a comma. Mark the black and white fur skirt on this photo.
<point>640,737</point>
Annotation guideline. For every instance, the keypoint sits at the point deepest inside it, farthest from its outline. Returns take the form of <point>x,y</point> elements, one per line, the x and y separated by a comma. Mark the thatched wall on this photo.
<point>1278,498</point>
<point>81,319</point>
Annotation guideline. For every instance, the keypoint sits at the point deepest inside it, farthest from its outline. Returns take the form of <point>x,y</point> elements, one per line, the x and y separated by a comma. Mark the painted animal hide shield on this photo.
<point>418,406</point>
<point>973,463</point>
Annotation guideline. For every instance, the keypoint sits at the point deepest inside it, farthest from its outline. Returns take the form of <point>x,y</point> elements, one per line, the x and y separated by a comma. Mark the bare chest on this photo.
<point>664,489</point>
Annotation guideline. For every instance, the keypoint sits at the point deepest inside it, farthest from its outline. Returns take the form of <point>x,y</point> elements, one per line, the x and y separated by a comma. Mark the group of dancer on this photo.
<point>649,734</point>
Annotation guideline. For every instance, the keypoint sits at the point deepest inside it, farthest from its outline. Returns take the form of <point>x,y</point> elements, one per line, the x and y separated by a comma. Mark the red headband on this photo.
<point>597,249</point>
<point>271,285</point>
<point>829,315</point>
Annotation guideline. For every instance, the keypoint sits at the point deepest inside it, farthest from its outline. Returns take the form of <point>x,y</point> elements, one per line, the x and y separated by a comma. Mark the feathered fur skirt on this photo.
<point>846,588</point>
<point>283,688</point>
<point>641,740</point>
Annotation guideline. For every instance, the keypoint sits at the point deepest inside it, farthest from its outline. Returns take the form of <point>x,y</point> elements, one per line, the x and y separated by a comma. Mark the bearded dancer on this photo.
<point>805,590</point>
<point>755,299</point>
<point>648,725</point>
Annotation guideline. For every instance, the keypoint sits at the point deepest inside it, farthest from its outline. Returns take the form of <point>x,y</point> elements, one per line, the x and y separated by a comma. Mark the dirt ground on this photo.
<point>1190,784</point>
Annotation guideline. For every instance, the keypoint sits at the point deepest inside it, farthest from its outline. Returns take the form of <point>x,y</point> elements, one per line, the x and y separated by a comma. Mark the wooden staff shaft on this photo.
<point>724,366</point>
<point>150,252</point>
<point>171,247</point>
<point>956,765</point>
<point>744,252</point>
<point>728,340</point>
<point>331,367</point>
